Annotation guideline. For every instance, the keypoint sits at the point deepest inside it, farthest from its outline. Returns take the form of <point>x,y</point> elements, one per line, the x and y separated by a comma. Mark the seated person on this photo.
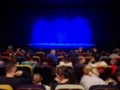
<point>13,77</point>
<point>101,63</point>
<point>30,62</point>
<point>108,80</point>
<point>53,55</point>
<point>90,78</point>
<point>37,80</point>
<point>80,63</point>
<point>64,75</point>
<point>65,62</point>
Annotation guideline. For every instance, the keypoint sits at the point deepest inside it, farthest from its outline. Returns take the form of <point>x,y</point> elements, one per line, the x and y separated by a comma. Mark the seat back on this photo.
<point>69,87</point>
<point>36,58</point>
<point>103,87</point>
<point>26,68</point>
<point>30,87</point>
<point>5,87</point>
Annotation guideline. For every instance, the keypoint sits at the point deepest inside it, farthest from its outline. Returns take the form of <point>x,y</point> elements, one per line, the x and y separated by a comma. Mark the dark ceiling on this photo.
<point>10,8</point>
<point>63,3</point>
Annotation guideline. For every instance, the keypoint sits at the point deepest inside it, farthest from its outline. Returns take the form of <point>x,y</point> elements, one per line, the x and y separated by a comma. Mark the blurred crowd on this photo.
<point>86,67</point>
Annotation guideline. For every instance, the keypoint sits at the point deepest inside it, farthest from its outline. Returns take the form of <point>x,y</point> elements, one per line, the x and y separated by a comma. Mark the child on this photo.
<point>37,80</point>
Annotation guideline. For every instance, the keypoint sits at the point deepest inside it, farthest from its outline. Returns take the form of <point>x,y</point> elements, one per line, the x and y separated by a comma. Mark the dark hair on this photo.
<point>66,72</point>
<point>59,70</point>
<point>10,65</point>
<point>37,74</point>
<point>67,57</point>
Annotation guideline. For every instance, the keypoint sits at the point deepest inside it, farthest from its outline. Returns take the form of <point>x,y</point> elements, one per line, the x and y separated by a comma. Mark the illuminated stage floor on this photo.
<point>60,45</point>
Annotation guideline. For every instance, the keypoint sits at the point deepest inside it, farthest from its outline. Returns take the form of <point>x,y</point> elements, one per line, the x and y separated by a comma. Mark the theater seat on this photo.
<point>5,87</point>
<point>26,68</point>
<point>36,58</point>
<point>103,87</point>
<point>30,87</point>
<point>69,87</point>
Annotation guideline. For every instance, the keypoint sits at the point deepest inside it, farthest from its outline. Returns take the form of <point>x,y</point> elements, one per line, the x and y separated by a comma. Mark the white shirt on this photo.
<point>46,87</point>
<point>65,64</point>
<point>89,80</point>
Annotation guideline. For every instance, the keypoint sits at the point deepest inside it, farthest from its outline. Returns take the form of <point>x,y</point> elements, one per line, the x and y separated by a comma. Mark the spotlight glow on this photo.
<point>61,31</point>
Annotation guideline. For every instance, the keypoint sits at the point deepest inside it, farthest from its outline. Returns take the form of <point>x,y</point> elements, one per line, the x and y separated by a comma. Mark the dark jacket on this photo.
<point>15,81</point>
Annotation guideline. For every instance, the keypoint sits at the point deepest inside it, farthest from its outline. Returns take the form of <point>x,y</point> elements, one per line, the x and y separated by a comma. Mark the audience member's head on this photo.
<point>10,48</point>
<point>64,74</point>
<point>113,61</point>
<point>11,68</point>
<point>66,58</point>
<point>80,49</point>
<point>81,59</point>
<point>94,49</point>
<point>53,51</point>
<point>87,69</point>
<point>37,78</point>
<point>45,64</point>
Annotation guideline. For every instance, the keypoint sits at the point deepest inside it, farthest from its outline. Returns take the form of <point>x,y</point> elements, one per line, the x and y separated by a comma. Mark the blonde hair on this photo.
<point>87,69</point>
<point>95,71</point>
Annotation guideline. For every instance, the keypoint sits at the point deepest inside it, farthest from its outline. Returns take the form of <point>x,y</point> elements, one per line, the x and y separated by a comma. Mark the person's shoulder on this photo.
<point>47,87</point>
<point>85,76</point>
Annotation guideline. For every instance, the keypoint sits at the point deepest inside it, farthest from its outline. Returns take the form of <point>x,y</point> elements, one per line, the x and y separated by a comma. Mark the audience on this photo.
<point>80,63</point>
<point>30,62</point>
<point>37,80</point>
<point>80,50</point>
<point>64,75</point>
<point>115,54</point>
<point>45,64</point>
<point>14,77</point>
<point>90,78</point>
<point>113,63</point>
<point>53,55</point>
<point>118,79</point>
<point>92,62</point>
<point>65,64</point>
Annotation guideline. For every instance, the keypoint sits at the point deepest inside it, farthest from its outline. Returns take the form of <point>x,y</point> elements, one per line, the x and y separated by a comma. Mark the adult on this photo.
<point>14,77</point>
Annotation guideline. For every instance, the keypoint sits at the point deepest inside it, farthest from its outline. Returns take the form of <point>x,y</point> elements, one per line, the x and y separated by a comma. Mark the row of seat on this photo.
<point>59,87</point>
<point>45,72</point>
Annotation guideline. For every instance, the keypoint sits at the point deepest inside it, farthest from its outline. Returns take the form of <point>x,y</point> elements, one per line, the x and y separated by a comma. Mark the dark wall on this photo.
<point>18,18</point>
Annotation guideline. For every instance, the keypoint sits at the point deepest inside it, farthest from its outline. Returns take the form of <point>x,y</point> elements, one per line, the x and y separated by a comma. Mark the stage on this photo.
<point>61,45</point>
